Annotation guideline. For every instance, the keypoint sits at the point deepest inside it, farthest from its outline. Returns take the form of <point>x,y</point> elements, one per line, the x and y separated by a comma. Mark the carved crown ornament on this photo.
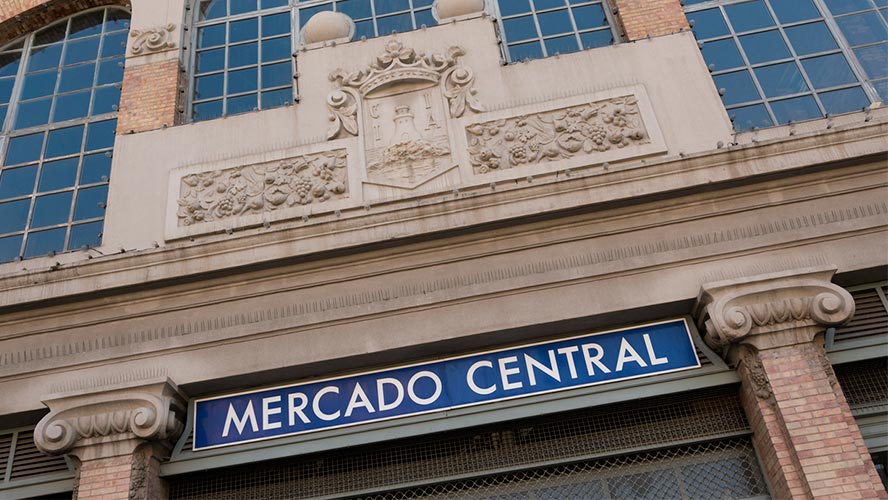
<point>153,39</point>
<point>400,65</point>
<point>111,422</point>
<point>772,310</point>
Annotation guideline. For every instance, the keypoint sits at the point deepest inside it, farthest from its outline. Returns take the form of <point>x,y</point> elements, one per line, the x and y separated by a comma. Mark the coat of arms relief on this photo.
<point>400,105</point>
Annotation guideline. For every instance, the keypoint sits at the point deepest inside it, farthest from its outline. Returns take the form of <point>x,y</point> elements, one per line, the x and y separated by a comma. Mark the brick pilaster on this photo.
<point>648,18</point>
<point>149,96</point>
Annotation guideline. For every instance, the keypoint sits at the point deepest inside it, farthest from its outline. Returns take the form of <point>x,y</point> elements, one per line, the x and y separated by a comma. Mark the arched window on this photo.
<point>242,48</point>
<point>59,92</point>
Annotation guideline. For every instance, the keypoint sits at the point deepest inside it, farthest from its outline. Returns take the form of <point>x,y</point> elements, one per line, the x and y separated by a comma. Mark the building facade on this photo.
<point>390,249</point>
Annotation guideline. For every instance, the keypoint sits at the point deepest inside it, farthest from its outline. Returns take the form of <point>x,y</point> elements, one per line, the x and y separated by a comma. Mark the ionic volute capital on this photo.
<point>771,310</point>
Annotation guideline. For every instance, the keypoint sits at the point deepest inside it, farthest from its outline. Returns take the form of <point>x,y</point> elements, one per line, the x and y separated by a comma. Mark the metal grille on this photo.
<point>870,317</point>
<point>865,384</point>
<point>29,461</point>
<point>539,442</point>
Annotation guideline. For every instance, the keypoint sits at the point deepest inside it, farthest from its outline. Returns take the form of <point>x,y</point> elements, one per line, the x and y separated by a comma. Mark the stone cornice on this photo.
<point>771,310</point>
<point>113,420</point>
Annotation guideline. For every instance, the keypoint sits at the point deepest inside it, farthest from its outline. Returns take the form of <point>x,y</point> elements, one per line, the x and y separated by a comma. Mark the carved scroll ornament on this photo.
<point>153,39</point>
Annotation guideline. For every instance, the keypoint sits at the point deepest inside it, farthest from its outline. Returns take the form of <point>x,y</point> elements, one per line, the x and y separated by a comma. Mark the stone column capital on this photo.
<point>771,310</point>
<point>112,421</point>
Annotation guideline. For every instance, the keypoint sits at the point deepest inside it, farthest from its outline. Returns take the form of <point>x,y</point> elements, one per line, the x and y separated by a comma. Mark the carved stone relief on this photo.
<point>554,135</point>
<point>153,39</point>
<point>755,373</point>
<point>262,188</point>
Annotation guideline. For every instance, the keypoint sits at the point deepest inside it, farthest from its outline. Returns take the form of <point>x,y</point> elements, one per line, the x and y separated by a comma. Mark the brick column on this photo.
<point>648,18</point>
<point>770,327</point>
<point>118,435</point>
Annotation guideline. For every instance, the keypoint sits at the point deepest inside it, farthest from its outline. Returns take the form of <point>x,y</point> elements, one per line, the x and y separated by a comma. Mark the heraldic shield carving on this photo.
<point>403,102</point>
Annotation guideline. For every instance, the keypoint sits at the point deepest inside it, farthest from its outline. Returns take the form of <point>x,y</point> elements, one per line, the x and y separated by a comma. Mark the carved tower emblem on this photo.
<point>404,99</point>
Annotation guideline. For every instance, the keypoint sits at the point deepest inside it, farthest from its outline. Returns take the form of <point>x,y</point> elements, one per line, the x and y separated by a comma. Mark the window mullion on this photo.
<point>845,47</point>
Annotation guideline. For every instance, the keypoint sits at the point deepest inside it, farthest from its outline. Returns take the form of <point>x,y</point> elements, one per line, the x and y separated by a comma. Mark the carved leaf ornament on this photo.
<point>153,39</point>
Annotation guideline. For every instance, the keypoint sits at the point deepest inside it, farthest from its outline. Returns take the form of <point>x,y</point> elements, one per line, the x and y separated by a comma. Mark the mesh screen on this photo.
<point>482,451</point>
<point>865,383</point>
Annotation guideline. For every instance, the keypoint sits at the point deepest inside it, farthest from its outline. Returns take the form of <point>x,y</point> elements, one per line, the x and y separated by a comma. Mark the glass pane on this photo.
<point>212,9</point>
<point>14,215</point>
<point>10,247</point>
<point>590,16</point>
<point>77,77</point>
<point>39,84</point>
<point>206,87</point>
<point>81,50</point>
<point>863,28</point>
<point>243,55</point>
<point>554,23</point>
<point>6,89</point>
<point>781,79</point>
<point>45,57</point>
<point>523,51</point>
<point>796,109</point>
<point>425,18</point>
<point>210,60</point>
<point>71,106</point>
<point>90,203</point>
<point>519,28</point>
<point>243,80</point>
<point>207,110</point>
<point>100,135</point>
<point>15,182</point>
<point>791,11</point>
<point>86,235</point>
<point>562,45</point>
<point>548,4</point>
<point>389,6</point>
<point>708,24</point>
<point>811,38</point>
<point>116,19</point>
<point>106,99</point>
<point>882,89</point>
<point>364,29</point>
<point>114,44</point>
<point>593,39</point>
<point>96,168</point>
<point>737,87</point>
<point>277,24</point>
<point>51,34</point>
<point>242,6</point>
<point>24,149</point>
<point>9,64</point>
<point>276,75</point>
<point>722,54</point>
<point>3,111</point>
<point>828,71</point>
<point>110,71</point>
<point>269,4</point>
<point>844,6</point>
<point>275,49</point>
<point>211,36</point>
<point>64,141</point>
<point>241,31</point>
<point>44,242</point>
<point>844,101</point>
<point>33,113</point>
<point>874,60</point>
<point>355,9</point>
<point>306,13</point>
<point>242,104</point>
<point>86,24</point>
<point>59,174</point>
<point>765,46</point>
<point>511,7</point>
<point>749,16</point>
<point>276,98</point>
<point>52,209</point>
<point>391,24</point>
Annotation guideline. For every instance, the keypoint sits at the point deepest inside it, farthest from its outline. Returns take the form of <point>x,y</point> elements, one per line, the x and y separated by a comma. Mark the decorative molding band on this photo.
<point>153,39</point>
<point>554,135</point>
<point>262,188</point>
<point>361,300</point>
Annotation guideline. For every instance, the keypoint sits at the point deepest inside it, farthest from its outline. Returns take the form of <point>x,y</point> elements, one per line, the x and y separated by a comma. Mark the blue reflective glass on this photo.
<point>749,16</point>
<point>522,51</point>
<point>512,7</point>
<point>14,215</point>
<point>425,18</point>
<point>212,9</point>
<point>95,168</point>
<point>33,113</point>
<point>874,60</point>
<point>241,31</point>
<point>364,29</point>
<point>86,235</point>
<point>764,46</point>
<point>77,77</point>
<point>90,203</point>
<point>548,4</point>
<point>844,6</point>
<point>45,57</point>
<point>355,9</point>
<point>708,24</point>
<point>243,80</point>
<point>305,14</point>
<point>6,85</point>
<point>882,89</point>
<point>9,64</point>
<point>520,28</point>
<point>3,111</point>
<point>828,71</point>
<point>116,20</point>
<point>10,247</point>
<point>242,104</point>
<point>276,98</point>
<point>39,84</point>
<point>593,39</point>
<point>277,24</point>
<point>85,25</point>
<point>276,49</point>
<point>110,71</point>
<point>562,45</point>
<point>114,44</point>
<point>389,6</point>
<point>211,36</point>
<point>100,135</point>
<point>397,23</point>
<point>555,22</point>
<point>64,141</point>
<point>860,29</point>
<point>71,106</point>
<point>796,109</point>
<point>51,34</point>
<point>810,38</point>
<point>589,16</point>
<point>24,149</point>
<point>241,6</point>
<point>844,100</point>
<point>781,79</point>
<point>243,55</point>
<point>81,50</point>
<point>791,11</point>
<point>44,242</point>
<point>15,182</point>
<point>722,54</point>
<point>105,100</point>
<point>210,60</point>
<point>207,110</point>
<point>422,3</point>
<point>738,87</point>
<point>52,209</point>
<point>270,4</point>
<point>276,75</point>
<point>206,87</point>
<point>59,174</point>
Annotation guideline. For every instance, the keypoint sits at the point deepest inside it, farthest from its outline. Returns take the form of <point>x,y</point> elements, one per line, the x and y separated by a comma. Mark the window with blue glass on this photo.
<point>782,61</point>
<point>59,91</point>
<point>242,48</point>
<point>532,29</point>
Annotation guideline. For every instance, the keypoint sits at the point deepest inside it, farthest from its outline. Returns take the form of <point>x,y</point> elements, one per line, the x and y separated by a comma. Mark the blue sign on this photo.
<point>441,385</point>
